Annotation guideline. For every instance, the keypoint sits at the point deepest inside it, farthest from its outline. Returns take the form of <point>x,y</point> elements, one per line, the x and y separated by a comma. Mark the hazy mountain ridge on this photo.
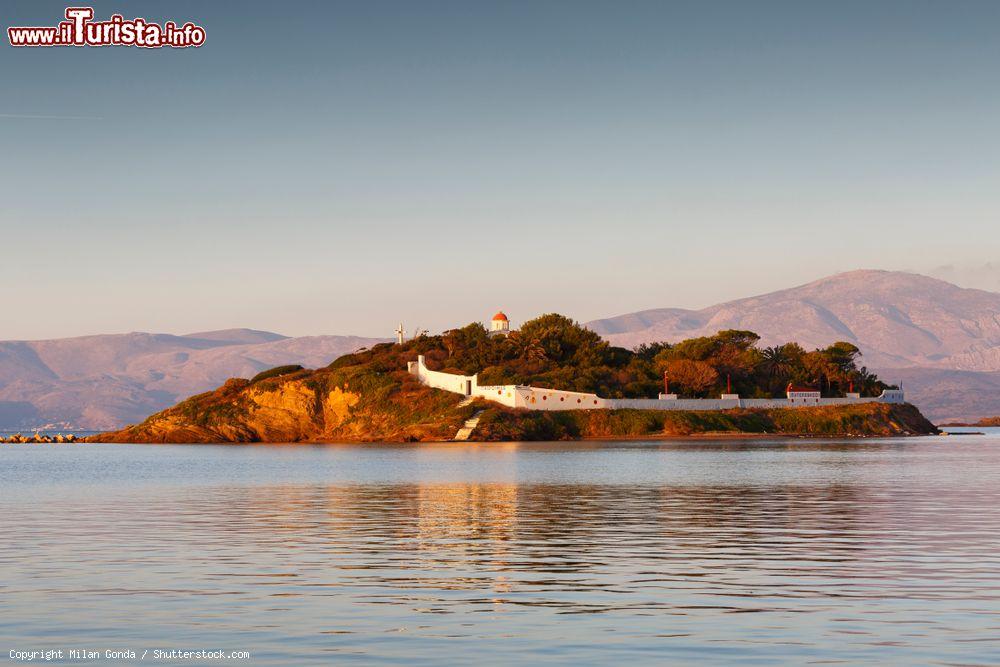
<point>897,319</point>
<point>949,395</point>
<point>941,340</point>
<point>105,381</point>
<point>944,340</point>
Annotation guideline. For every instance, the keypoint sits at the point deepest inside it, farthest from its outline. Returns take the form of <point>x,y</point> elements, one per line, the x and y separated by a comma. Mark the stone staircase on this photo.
<point>470,425</point>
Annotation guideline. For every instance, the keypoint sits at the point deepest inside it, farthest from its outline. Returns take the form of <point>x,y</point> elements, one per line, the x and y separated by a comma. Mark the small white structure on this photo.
<point>805,395</point>
<point>400,333</point>
<point>500,324</point>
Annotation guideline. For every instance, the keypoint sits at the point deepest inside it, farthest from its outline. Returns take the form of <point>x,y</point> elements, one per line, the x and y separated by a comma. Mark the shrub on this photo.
<point>275,372</point>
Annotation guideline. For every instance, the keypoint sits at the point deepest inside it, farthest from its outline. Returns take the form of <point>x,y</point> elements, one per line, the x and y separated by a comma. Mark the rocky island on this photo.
<point>986,422</point>
<point>370,396</point>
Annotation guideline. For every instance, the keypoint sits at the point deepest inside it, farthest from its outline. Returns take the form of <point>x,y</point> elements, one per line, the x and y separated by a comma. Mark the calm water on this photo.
<point>794,552</point>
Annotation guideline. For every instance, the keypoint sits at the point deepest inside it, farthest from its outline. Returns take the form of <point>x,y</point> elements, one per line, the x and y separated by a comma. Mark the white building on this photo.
<point>500,325</point>
<point>802,395</point>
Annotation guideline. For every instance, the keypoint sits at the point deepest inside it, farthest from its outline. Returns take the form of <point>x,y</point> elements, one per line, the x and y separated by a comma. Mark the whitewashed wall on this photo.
<point>447,381</point>
<point>504,394</point>
<point>532,398</point>
<point>467,385</point>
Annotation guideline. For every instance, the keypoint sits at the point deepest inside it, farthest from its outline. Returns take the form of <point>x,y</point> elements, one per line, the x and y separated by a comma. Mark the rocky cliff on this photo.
<point>328,405</point>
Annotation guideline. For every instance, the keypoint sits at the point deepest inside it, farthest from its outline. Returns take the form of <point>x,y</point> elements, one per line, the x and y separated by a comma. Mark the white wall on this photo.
<point>553,399</point>
<point>532,398</point>
<point>505,394</point>
<point>447,381</point>
<point>467,385</point>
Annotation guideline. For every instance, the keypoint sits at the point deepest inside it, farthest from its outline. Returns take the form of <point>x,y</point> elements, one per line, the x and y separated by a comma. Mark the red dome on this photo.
<point>500,316</point>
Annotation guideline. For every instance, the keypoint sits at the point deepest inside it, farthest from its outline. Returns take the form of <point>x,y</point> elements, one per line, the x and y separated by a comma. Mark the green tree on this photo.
<point>691,377</point>
<point>778,363</point>
<point>555,351</point>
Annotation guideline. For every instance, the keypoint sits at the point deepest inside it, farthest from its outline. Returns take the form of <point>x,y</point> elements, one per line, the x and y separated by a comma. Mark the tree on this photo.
<point>775,364</point>
<point>560,339</point>
<point>648,351</point>
<point>841,358</point>
<point>736,338</point>
<point>696,377</point>
<point>556,352</point>
<point>471,348</point>
<point>736,357</point>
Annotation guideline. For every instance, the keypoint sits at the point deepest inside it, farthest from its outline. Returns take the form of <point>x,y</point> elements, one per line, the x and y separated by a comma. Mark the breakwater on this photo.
<point>39,439</point>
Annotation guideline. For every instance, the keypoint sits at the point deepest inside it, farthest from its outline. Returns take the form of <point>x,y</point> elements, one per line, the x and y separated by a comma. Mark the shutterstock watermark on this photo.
<point>80,29</point>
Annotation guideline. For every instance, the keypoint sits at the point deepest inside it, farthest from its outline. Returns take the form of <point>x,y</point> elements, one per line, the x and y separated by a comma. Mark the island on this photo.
<point>986,422</point>
<point>393,392</point>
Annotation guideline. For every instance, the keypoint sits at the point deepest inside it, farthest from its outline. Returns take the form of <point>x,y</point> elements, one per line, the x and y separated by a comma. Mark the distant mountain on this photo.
<point>949,396</point>
<point>941,340</point>
<point>238,336</point>
<point>898,320</point>
<point>103,382</point>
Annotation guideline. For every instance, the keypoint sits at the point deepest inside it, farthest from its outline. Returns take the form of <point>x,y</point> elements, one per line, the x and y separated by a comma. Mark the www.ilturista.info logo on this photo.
<point>79,29</point>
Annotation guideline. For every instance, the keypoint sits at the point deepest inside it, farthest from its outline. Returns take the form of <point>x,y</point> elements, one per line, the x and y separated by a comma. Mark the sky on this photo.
<point>339,167</point>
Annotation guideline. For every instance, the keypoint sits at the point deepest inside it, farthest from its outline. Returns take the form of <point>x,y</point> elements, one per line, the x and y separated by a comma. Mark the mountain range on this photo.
<point>103,382</point>
<point>942,342</point>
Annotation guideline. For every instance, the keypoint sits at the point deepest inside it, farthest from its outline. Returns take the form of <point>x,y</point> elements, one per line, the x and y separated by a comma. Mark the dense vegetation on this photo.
<point>275,372</point>
<point>555,352</point>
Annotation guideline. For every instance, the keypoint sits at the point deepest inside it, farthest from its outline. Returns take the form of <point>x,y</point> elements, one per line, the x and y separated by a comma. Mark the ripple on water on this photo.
<point>743,553</point>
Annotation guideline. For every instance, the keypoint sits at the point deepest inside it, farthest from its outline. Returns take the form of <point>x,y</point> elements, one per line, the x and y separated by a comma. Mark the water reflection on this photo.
<point>854,557</point>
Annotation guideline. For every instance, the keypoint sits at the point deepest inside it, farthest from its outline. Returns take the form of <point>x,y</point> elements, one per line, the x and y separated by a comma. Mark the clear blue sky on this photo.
<point>335,167</point>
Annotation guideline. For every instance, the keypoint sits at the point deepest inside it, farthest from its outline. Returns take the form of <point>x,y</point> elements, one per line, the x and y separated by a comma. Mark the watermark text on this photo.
<point>80,29</point>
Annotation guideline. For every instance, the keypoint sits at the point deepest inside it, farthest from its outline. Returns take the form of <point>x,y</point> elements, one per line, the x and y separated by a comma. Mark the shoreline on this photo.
<point>723,435</point>
<point>661,437</point>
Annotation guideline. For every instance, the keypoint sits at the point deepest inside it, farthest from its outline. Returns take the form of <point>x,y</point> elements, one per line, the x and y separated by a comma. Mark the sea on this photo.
<point>732,552</point>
